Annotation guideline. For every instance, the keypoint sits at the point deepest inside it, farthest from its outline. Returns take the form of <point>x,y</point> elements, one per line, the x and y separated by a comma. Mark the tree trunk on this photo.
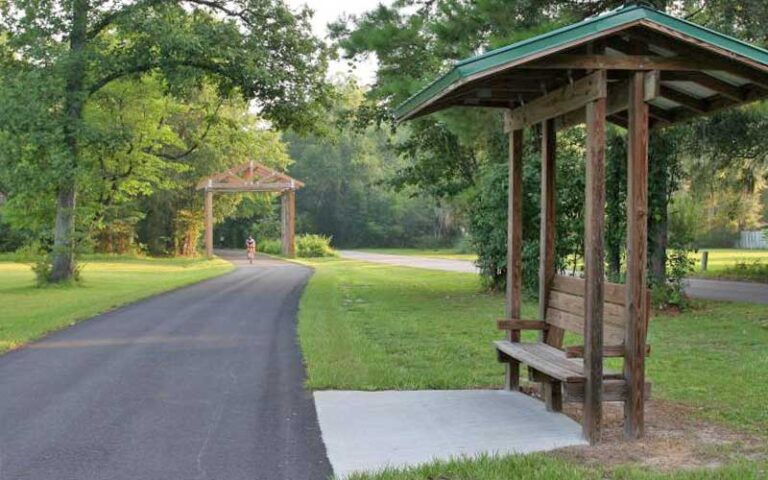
<point>63,252</point>
<point>658,205</point>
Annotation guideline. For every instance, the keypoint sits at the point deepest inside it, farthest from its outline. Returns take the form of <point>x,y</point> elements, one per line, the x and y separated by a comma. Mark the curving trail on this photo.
<point>205,382</point>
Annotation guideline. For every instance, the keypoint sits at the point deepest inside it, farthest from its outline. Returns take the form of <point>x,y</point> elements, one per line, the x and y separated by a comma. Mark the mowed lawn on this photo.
<point>725,263</point>
<point>447,253</point>
<point>28,312</point>
<point>734,264</point>
<point>374,327</point>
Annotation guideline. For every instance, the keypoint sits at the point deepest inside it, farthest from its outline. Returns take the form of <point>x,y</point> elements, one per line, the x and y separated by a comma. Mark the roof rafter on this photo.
<point>249,177</point>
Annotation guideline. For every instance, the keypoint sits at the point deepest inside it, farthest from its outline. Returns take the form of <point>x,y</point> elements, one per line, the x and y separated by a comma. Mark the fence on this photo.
<point>753,240</point>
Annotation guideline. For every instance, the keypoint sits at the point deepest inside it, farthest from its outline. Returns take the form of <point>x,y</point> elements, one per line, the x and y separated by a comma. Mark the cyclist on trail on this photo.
<point>250,246</point>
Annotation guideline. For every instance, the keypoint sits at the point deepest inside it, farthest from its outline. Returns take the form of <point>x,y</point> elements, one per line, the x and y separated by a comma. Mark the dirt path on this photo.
<point>203,382</point>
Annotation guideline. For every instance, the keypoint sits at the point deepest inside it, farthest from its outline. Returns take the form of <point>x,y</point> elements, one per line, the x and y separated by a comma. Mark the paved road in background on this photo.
<point>696,288</point>
<point>727,290</point>
<point>429,263</point>
<point>201,383</point>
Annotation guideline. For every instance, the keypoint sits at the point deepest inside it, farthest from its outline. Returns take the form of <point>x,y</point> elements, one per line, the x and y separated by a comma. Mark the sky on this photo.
<point>327,11</point>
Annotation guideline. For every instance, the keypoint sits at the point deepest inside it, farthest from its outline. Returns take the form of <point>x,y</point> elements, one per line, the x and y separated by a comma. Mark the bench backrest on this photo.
<point>565,308</point>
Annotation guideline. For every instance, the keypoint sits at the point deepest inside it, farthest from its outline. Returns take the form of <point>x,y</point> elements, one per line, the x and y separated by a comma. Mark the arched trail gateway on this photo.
<point>638,68</point>
<point>253,177</point>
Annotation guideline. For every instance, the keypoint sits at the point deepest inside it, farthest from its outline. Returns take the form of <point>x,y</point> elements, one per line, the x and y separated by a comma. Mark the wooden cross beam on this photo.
<point>624,62</point>
<point>617,100</point>
<point>559,102</point>
<point>725,89</point>
<point>708,58</point>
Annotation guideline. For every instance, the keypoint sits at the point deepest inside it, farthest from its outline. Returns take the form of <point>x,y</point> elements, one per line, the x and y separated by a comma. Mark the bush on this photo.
<point>271,247</point>
<point>671,294</point>
<point>310,246</point>
<point>40,262</point>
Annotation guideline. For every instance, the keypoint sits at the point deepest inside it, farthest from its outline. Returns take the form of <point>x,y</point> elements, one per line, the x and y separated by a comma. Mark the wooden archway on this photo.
<point>253,177</point>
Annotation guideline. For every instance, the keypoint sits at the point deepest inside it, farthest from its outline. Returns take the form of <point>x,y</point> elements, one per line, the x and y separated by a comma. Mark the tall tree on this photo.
<point>66,51</point>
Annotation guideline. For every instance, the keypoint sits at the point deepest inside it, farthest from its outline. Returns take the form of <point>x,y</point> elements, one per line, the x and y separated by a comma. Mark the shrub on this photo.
<point>308,246</point>
<point>271,247</point>
<point>40,262</point>
<point>672,293</point>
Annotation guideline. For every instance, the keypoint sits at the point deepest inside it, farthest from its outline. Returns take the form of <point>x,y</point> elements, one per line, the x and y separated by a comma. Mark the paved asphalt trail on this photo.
<point>201,383</point>
<point>696,288</point>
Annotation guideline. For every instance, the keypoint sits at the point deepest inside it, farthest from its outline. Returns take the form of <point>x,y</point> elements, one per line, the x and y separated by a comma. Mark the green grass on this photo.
<point>448,253</point>
<point>734,264</point>
<point>29,312</point>
<point>543,467</point>
<point>725,263</point>
<point>376,327</point>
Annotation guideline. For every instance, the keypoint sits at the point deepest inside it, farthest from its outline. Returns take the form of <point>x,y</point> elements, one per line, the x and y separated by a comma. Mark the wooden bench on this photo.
<point>561,371</point>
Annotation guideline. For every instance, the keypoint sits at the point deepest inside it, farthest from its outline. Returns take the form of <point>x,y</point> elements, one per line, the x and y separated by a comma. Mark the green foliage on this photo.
<point>671,293</point>
<point>270,247</point>
<point>346,194</point>
<point>313,246</point>
<point>452,153</point>
<point>488,209</point>
<point>307,246</point>
<point>93,97</point>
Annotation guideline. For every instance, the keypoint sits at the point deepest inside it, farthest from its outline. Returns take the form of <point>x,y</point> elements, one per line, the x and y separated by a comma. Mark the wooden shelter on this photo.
<point>253,177</point>
<point>636,67</point>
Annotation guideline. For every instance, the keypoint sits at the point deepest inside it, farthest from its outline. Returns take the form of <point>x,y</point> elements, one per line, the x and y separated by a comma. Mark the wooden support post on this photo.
<point>552,391</point>
<point>554,335</point>
<point>637,239</point>
<point>514,248</point>
<point>594,226</point>
<point>288,213</point>
<point>208,223</point>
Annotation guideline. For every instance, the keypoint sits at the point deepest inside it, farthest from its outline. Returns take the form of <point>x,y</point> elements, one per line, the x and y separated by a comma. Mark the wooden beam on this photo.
<point>558,102</point>
<point>666,116</point>
<point>514,248</point>
<point>617,102</point>
<point>522,325</point>
<point>274,188</point>
<point>594,226</point>
<point>623,62</point>
<point>547,230</point>
<point>687,101</point>
<point>577,351</point>
<point>614,390</point>
<point>637,239</point>
<point>721,103</point>
<point>288,214</point>
<point>209,224</point>
<point>721,87</point>
<point>708,56</point>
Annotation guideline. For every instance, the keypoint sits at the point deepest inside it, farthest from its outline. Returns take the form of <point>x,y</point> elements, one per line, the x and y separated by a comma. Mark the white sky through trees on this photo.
<point>327,11</point>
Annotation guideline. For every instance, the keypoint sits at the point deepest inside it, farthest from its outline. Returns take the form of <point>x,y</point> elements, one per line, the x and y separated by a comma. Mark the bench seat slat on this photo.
<point>547,359</point>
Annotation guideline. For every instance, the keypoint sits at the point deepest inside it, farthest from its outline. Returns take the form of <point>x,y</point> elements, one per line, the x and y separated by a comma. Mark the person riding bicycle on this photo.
<point>250,246</point>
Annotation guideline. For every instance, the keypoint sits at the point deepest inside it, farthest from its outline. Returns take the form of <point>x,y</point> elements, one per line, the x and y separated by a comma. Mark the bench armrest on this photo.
<point>517,324</point>
<point>577,351</point>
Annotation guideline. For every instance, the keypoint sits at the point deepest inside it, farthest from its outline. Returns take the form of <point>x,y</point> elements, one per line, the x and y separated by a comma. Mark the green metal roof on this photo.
<point>517,53</point>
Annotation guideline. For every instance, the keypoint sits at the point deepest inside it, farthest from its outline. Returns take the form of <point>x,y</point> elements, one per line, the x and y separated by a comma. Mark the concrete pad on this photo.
<point>369,431</point>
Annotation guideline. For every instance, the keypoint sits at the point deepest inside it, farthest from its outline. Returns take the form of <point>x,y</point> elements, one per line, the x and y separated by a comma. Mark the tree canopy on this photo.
<point>61,58</point>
